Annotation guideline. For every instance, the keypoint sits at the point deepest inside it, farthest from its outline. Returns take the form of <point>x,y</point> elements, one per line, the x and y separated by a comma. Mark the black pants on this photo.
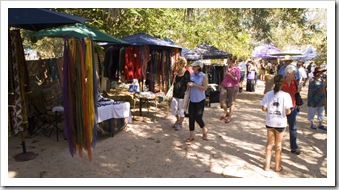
<point>250,85</point>
<point>195,112</point>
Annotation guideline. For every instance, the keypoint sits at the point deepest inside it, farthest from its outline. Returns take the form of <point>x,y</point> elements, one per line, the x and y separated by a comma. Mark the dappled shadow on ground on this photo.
<point>151,148</point>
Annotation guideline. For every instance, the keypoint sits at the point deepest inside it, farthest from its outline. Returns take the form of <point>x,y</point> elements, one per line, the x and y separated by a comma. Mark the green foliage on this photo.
<point>235,30</point>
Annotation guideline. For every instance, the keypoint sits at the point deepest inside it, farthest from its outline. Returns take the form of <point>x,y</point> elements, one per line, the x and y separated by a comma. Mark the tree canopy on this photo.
<point>234,30</point>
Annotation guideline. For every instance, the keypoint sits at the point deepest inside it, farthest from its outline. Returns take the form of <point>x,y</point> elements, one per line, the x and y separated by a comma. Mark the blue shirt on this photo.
<point>197,95</point>
<point>282,72</point>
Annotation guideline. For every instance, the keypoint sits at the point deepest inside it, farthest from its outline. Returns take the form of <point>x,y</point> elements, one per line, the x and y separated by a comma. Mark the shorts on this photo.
<point>228,94</point>
<point>177,107</point>
<point>279,129</point>
<point>242,76</point>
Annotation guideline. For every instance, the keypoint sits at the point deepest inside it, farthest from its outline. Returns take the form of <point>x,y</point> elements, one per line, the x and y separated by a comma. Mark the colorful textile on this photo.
<point>19,84</point>
<point>132,63</point>
<point>79,86</point>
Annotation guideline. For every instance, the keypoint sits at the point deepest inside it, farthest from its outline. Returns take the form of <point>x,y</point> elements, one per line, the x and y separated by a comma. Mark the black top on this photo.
<point>180,85</point>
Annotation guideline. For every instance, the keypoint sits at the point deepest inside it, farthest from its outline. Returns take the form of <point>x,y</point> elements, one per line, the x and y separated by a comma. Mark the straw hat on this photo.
<point>287,58</point>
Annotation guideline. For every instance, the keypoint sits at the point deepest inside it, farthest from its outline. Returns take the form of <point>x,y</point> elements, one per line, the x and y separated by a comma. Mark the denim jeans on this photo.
<point>292,121</point>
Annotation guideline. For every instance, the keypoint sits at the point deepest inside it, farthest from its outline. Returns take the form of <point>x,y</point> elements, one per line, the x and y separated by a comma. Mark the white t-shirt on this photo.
<point>276,105</point>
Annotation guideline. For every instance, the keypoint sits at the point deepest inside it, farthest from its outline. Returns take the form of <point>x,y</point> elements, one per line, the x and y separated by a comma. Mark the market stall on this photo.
<point>215,72</point>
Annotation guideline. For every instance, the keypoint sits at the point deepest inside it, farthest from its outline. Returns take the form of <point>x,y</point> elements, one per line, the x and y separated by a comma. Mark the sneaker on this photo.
<point>313,127</point>
<point>322,128</point>
<point>178,127</point>
<point>296,151</point>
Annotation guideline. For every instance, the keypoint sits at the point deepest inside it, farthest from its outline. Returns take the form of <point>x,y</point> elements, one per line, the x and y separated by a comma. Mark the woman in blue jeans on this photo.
<point>291,86</point>
<point>198,85</point>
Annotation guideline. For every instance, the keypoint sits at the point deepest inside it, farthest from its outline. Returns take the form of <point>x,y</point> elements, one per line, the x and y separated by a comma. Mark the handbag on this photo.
<point>169,94</point>
<point>186,99</point>
<point>299,101</point>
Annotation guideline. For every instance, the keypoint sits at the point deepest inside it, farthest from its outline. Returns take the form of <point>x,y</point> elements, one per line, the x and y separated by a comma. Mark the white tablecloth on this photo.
<point>121,110</point>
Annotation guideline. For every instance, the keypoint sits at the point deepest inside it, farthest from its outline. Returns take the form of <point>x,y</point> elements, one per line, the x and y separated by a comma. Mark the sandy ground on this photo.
<point>151,148</point>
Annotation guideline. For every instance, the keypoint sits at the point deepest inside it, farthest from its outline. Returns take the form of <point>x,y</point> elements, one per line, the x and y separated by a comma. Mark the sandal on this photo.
<point>227,120</point>
<point>266,168</point>
<point>279,170</point>
<point>222,117</point>
<point>190,139</point>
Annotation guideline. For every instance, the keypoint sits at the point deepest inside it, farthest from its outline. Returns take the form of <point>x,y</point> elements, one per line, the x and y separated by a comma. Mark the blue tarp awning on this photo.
<point>38,19</point>
<point>309,54</point>
<point>145,39</point>
<point>206,51</point>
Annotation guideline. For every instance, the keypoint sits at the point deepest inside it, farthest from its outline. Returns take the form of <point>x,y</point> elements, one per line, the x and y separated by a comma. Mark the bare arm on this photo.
<point>203,87</point>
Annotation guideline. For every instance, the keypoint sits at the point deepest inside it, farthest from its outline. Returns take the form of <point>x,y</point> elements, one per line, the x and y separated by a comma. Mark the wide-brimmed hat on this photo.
<point>287,58</point>
<point>197,64</point>
<point>318,70</point>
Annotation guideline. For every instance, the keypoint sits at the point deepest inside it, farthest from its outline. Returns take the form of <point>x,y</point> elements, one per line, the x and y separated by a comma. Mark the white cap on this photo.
<point>197,64</point>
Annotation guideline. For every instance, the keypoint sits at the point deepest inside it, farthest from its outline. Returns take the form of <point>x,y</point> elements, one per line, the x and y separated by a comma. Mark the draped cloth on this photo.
<point>18,82</point>
<point>79,90</point>
<point>133,65</point>
<point>145,58</point>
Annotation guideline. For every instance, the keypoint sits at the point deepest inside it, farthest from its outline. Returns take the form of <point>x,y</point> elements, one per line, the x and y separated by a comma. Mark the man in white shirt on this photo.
<point>303,74</point>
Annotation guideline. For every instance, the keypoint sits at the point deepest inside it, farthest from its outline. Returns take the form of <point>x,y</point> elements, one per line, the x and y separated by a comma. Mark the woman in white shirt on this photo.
<point>276,103</point>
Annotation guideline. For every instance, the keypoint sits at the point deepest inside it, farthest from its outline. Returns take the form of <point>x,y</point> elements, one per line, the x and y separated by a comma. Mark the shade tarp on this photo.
<point>38,18</point>
<point>265,51</point>
<point>79,31</point>
<point>145,39</point>
<point>206,51</point>
<point>308,54</point>
<point>282,55</point>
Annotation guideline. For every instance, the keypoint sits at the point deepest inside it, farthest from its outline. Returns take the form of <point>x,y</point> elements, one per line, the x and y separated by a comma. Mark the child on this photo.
<point>276,103</point>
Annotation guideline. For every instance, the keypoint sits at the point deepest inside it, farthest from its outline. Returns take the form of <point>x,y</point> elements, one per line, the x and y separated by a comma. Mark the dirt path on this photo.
<point>151,148</point>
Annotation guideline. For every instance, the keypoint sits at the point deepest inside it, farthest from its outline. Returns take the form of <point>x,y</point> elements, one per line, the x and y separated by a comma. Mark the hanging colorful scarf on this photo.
<point>65,90</point>
<point>79,90</point>
<point>95,99</point>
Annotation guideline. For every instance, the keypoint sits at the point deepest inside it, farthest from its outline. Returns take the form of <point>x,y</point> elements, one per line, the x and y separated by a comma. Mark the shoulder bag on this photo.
<point>299,101</point>
<point>169,94</point>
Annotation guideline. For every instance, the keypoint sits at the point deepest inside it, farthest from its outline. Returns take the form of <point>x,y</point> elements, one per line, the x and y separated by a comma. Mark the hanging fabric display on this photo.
<point>129,65</point>
<point>111,63</point>
<point>145,58</point>
<point>122,63</point>
<point>53,68</point>
<point>18,82</point>
<point>79,84</point>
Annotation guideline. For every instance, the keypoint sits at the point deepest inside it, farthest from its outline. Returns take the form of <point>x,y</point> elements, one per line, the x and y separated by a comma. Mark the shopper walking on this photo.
<point>198,85</point>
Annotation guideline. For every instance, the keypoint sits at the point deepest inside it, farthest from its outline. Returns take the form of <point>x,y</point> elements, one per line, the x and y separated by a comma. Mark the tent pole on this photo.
<point>24,156</point>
